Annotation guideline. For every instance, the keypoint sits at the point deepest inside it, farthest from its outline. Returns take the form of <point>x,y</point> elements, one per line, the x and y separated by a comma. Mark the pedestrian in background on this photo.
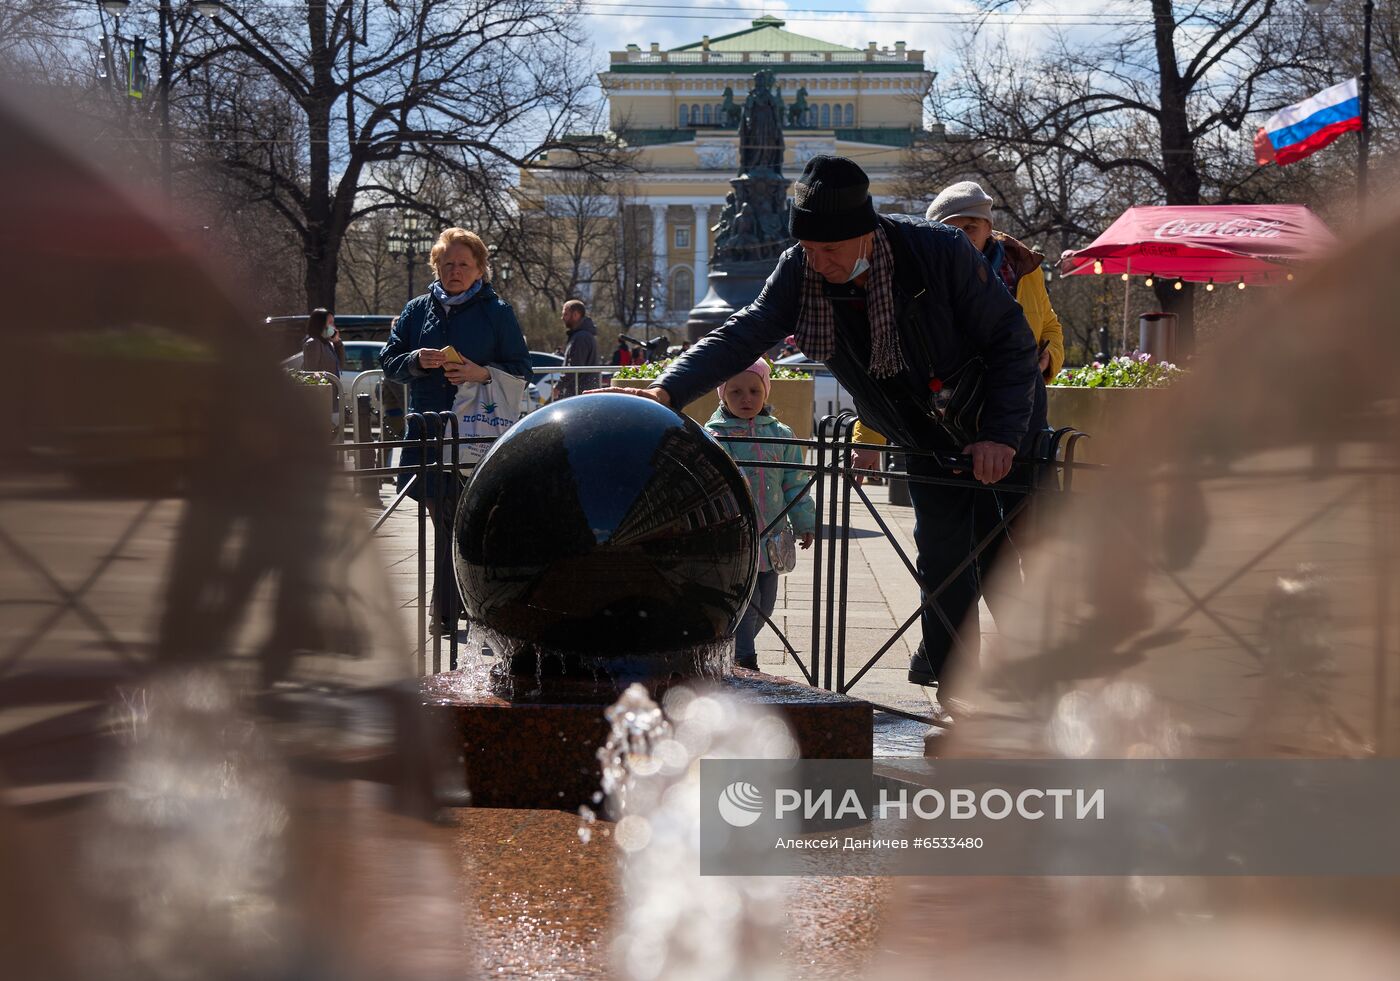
<point>581,349</point>
<point>322,350</point>
<point>460,310</point>
<point>966,206</point>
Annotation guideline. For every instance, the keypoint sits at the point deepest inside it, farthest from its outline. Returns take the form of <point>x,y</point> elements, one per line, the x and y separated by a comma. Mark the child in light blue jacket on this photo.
<point>744,411</point>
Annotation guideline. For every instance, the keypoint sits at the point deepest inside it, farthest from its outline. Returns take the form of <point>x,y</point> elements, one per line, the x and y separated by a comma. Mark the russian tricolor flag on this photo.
<point>1303,128</point>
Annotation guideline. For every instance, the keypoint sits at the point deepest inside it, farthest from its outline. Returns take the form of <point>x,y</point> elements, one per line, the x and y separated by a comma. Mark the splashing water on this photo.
<point>192,846</point>
<point>587,820</point>
<point>712,661</point>
<point>474,677</point>
<point>676,924</point>
<point>636,727</point>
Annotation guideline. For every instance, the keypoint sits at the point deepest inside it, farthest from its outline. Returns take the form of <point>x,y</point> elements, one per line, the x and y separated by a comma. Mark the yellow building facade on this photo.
<point>668,108</point>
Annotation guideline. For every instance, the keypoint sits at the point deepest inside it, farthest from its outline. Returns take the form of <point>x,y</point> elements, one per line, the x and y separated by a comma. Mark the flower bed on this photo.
<point>791,395</point>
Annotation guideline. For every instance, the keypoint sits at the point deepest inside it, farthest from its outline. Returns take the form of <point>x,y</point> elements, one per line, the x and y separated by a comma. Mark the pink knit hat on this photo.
<point>759,368</point>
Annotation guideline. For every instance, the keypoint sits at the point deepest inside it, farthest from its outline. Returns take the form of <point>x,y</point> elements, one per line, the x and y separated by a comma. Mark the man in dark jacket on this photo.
<point>896,307</point>
<point>581,349</point>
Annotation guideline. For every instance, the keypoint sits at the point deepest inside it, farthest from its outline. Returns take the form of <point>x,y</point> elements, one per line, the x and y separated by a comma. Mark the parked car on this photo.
<point>359,356</point>
<point>828,397</point>
<point>540,390</point>
<point>352,326</point>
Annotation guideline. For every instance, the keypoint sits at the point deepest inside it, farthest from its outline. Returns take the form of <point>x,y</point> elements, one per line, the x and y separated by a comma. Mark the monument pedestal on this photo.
<point>753,227</point>
<point>732,286</point>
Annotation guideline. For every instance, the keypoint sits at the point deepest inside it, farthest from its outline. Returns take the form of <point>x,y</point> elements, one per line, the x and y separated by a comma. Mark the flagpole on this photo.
<point>1127,289</point>
<point>1364,143</point>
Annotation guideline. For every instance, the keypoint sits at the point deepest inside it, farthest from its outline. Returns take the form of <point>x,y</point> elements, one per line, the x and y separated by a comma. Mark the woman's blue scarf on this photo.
<point>449,300</point>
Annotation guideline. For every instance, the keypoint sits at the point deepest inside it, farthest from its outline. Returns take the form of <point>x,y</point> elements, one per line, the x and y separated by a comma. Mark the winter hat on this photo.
<point>831,201</point>
<point>965,199</point>
<point>760,368</point>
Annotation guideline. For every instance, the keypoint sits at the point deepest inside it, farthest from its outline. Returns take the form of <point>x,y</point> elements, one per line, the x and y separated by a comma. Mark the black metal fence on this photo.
<point>833,485</point>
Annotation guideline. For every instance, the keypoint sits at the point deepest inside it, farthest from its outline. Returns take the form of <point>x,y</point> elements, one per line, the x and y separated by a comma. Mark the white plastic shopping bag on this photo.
<point>484,409</point>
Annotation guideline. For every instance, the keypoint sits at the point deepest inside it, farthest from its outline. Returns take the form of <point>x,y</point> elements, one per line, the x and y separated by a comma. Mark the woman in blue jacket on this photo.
<point>460,310</point>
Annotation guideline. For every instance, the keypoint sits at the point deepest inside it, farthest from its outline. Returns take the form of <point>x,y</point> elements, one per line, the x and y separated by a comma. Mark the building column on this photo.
<point>659,246</point>
<point>702,250</point>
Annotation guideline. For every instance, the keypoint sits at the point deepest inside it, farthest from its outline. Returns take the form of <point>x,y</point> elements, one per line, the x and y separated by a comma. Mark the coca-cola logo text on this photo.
<point>1234,228</point>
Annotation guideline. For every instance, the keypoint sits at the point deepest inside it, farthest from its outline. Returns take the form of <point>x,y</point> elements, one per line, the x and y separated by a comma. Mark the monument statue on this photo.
<point>729,110</point>
<point>798,109</point>
<point>761,130</point>
<point>752,229</point>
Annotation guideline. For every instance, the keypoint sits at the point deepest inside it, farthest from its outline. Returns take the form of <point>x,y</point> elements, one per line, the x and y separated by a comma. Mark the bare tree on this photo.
<point>475,88</point>
<point>631,277</point>
<point>375,279</point>
<point>560,229</point>
<point>1152,111</point>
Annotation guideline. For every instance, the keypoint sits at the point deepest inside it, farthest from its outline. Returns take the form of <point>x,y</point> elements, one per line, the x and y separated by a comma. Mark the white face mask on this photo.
<point>329,332</point>
<point>862,265</point>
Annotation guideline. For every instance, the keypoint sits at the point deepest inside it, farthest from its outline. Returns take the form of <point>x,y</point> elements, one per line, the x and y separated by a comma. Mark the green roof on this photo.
<point>766,34</point>
<point>749,67</point>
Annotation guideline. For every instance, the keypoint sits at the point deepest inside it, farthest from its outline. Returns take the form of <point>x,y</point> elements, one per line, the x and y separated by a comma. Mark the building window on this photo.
<point>826,116</point>
<point>809,118</point>
<point>682,289</point>
<point>850,114</point>
<point>695,115</point>
<point>682,238</point>
<point>708,118</point>
<point>684,117</point>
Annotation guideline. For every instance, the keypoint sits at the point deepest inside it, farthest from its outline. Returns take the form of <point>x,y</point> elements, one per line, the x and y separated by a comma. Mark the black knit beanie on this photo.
<point>831,201</point>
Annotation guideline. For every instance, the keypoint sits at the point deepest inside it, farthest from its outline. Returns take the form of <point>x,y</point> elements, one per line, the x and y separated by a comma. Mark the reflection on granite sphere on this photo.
<point>607,526</point>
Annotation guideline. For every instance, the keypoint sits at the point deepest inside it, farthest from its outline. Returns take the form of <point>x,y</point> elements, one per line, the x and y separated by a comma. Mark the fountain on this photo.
<point>603,542</point>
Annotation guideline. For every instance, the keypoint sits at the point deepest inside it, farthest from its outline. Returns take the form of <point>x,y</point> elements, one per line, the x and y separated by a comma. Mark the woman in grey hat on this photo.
<point>966,206</point>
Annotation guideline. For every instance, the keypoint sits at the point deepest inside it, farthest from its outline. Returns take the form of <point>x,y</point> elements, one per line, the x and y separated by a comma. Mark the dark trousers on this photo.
<point>949,522</point>
<point>765,597</point>
<point>442,508</point>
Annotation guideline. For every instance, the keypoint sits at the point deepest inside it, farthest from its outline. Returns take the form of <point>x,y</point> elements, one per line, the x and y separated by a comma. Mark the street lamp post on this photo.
<point>116,9</point>
<point>1363,164</point>
<point>500,268</point>
<point>1363,143</point>
<point>411,242</point>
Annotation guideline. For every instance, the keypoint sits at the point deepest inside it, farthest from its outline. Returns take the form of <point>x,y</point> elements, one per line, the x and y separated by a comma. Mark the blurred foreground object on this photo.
<point>201,686</point>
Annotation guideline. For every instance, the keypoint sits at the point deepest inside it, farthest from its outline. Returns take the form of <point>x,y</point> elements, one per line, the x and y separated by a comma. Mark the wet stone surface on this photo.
<point>544,903</point>
<point>537,747</point>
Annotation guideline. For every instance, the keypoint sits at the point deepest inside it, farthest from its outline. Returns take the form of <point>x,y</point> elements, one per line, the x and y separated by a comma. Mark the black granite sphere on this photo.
<point>607,527</point>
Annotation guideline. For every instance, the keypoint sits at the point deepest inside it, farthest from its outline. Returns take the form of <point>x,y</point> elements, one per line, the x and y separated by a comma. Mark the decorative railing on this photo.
<point>765,57</point>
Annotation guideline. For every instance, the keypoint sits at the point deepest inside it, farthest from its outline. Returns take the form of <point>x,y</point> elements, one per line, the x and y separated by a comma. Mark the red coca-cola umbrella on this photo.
<point>1224,243</point>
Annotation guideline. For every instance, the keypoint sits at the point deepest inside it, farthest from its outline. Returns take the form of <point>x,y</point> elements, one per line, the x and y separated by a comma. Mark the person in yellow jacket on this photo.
<point>965,205</point>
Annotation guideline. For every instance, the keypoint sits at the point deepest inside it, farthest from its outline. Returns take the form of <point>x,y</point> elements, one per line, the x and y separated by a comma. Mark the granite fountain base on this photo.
<point>538,748</point>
